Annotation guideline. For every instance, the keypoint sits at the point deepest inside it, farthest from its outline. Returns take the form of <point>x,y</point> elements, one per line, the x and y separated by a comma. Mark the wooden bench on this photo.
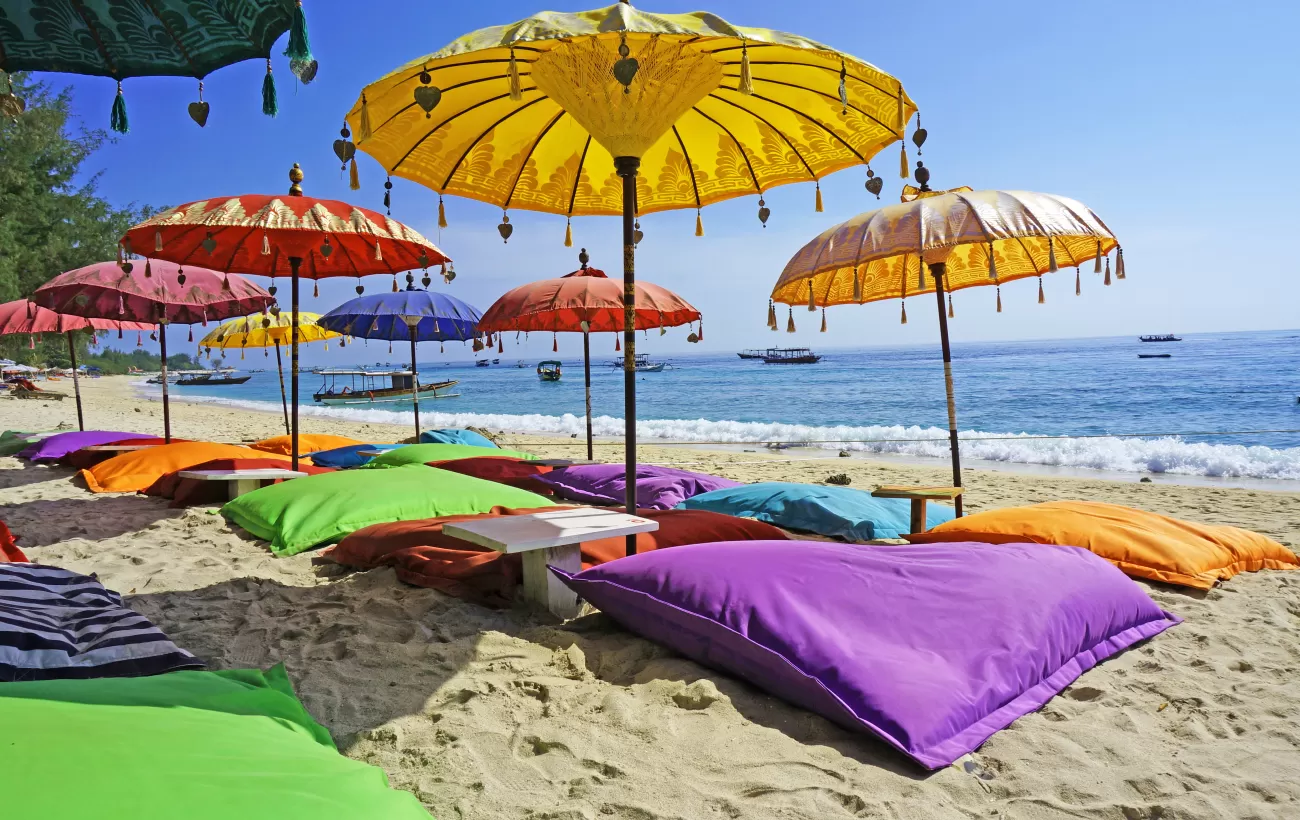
<point>918,496</point>
<point>239,482</point>
<point>549,538</point>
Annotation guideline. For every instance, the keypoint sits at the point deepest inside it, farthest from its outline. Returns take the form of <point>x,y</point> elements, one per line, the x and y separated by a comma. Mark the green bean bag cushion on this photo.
<point>424,453</point>
<point>198,745</point>
<point>320,509</point>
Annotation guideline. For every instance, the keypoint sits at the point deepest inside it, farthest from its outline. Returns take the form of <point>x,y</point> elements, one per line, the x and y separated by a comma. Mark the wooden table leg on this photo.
<point>544,589</point>
<point>242,485</point>
<point>918,515</point>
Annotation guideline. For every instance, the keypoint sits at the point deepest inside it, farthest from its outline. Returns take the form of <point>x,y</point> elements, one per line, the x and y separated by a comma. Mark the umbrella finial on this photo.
<point>295,177</point>
<point>584,258</point>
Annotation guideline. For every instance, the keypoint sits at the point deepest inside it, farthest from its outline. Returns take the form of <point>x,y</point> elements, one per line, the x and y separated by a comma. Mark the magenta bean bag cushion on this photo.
<point>57,446</point>
<point>657,488</point>
<point>930,649</point>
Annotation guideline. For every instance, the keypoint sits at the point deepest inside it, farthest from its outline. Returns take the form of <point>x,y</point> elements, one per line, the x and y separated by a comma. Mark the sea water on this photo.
<point>890,400</point>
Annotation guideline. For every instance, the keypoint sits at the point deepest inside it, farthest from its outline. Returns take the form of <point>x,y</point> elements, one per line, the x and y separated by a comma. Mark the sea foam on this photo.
<point>1152,455</point>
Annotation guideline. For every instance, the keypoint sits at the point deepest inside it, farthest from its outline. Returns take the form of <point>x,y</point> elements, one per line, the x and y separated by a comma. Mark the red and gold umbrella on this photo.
<point>27,317</point>
<point>586,302</point>
<point>274,235</point>
<point>155,292</point>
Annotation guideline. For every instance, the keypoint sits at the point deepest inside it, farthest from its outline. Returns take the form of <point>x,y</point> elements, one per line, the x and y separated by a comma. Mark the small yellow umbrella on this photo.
<point>267,330</point>
<point>621,111</point>
<point>962,239</point>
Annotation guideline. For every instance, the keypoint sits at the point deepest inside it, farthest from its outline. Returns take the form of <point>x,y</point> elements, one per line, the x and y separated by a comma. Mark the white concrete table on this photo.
<point>239,482</point>
<point>562,462</point>
<point>120,448</point>
<point>375,453</point>
<point>552,538</point>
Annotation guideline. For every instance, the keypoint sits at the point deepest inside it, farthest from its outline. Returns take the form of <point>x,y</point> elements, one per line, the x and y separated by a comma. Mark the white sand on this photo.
<point>498,715</point>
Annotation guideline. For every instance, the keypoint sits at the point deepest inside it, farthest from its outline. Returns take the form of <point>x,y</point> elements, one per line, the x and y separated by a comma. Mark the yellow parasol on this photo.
<point>620,111</point>
<point>272,330</point>
<point>965,239</point>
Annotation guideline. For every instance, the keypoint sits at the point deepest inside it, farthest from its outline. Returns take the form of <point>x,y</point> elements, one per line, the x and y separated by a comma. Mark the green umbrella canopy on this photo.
<point>145,38</point>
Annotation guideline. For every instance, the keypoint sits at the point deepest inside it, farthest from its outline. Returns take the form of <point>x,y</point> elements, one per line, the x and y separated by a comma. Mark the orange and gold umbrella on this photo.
<point>940,242</point>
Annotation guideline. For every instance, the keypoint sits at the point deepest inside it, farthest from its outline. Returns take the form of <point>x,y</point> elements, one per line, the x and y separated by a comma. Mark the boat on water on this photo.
<point>643,364</point>
<point>206,378</point>
<point>521,364</point>
<point>482,363</point>
<point>549,371</point>
<point>753,354</point>
<point>1165,337</point>
<point>790,355</point>
<point>496,361</point>
<point>369,387</point>
<point>1155,355</point>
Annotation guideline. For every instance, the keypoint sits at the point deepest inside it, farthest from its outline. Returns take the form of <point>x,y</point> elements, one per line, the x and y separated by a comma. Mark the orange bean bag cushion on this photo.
<point>136,471</point>
<point>307,443</point>
<point>9,552</point>
<point>424,556</point>
<point>1141,544</point>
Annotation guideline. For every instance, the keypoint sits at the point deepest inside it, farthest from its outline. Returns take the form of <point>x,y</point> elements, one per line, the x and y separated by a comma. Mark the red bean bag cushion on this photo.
<point>423,555</point>
<point>186,491</point>
<point>9,552</point>
<point>513,471</point>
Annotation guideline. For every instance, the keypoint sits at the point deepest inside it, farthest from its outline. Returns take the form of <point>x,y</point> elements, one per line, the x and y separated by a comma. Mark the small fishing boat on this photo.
<point>549,371</point>
<point>193,378</point>
<point>482,363</point>
<point>643,364</point>
<point>521,364</point>
<point>1166,337</point>
<point>1155,355</point>
<point>753,354</point>
<point>368,387</point>
<point>496,361</point>
<point>790,355</point>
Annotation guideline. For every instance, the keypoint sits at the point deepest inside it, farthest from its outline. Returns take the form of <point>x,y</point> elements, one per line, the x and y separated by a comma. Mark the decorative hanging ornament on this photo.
<point>902,135</point>
<point>771,315</point>
<point>315,288</point>
<point>442,214</point>
<point>388,195</point>
<point>427,96</point>
<point>818,208</point>
<point>1096,262</point>
<point>209,244</point>
<point>919,135</point>
<point>270,102</point>
<point>951,315</point>
<point>1106,281</point>
<point>117,119</point>
<point>395,288</point>
<point>1051,256</point>
<point>617,348</point>
<point>568,232</point>
<point>199,110</point>
<point>266,245</point>
<point>363,128</point>
<point>699,223</point>
<point>157,242</point>
<point>993,264</point>
<point>999,289</point>
<point>857,286</point>
<point>763,211</point>
<point>844,88</point>
<point>148,270</point>
<point>1078,283</point>
<point>637,235</point>
<point>426,280</point>
<point>812,305</point>
<point>874,183</point>
<point>903,321</point>
<point>505,228</point>
<point>180,276</point>
<point>626,67</point>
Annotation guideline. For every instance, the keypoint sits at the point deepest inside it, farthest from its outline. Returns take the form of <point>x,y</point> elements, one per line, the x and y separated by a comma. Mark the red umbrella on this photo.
<point>586,302</point>
<point>295,235</point>
<point>152,291</point>
<point>27,317</point>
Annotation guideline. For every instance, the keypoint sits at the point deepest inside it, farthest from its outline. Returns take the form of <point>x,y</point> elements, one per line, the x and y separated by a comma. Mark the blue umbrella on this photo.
<point>415,314</point>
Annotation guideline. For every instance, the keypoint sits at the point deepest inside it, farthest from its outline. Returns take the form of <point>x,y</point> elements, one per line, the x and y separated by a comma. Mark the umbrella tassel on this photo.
<point>844,88</point>
<point>903,171</point>
<point>1096,262</point>
<point>270,103</point>
<point>442,213</point>
<point>993,264</point>
<point>121,306</point>
<point>117,119</point>
<point>379,256</point>
<point>555,343</point>
<point>951,315</point>
<point>501,348</point>
<point>441,349</point>
<point>1106,281</point>
<point>363,129</point>
<point>699,223</point>
<point>266,245</point>
<point>999,298</point>
<point>903,321</point>
<point>1051,256</point>
<point>771,315</point>
<point>789,322</point>
<point>1119,263</point>
<point>516,92</point>
<point>354,179</point>
<point>390,345</point>
<point>299,49</point>
<point>568,233</point>
<point>139,339</point>
<point>148,271</point>
<point>191,336</point>
<point>1042,299</point>
<point>241,353</point>
<point>617,346</point>
<point>315,289</point>
<point>746,84</point>
<point>394,283</point>
<point>225,283</point>
<point>812,305</point>
<point>819,208</point>
<point>700,334</point>
<point>1078,284</point>
<point>157,241</point>
<point>31,342</point>
<point>823,330</point>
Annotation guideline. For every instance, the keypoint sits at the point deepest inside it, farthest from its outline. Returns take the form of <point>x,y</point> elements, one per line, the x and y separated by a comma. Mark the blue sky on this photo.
<point>1174,122</point>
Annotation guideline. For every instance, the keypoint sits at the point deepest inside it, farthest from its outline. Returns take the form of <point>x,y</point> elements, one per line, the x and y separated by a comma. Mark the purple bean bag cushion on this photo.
<point>57,446</point>
<point>932,649</point>
<point>657,488</point>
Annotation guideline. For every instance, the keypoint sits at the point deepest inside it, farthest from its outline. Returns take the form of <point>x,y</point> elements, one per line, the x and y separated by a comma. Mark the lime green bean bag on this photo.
<point>424,453</point>
<point>13,441</point>
<point>320,509</point>
<point>197,745</point>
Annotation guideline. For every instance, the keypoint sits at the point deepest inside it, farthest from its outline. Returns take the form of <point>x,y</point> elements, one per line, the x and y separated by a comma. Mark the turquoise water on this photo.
<point>883,399</point>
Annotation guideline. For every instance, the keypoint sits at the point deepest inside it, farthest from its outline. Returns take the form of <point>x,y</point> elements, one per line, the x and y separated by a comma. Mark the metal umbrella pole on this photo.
<point>76,385</point>
<point>294,262</point>
<point>167,415</point>
<point>284,402</point>
<point>411,322</point>
<point>938,270</point>
<point>626,167</point>
<point>586,375</point>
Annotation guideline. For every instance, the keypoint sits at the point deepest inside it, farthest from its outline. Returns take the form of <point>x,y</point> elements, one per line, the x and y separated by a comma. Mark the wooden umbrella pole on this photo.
<point>586,376</point>
<point>938,270</point>
<point>415,382</point>
<point>626,167</point>
<point>294,262</point>
<point>284,402</point>
<point>76,385</point>
<point>167,415</point>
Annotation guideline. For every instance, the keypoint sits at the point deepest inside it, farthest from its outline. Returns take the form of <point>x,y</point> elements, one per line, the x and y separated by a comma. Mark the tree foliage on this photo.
<point>52,217</point>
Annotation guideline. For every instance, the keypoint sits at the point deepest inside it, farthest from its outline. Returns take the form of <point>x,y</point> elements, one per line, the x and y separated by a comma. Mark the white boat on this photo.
<point>367,387</point>
<point>643,364</point>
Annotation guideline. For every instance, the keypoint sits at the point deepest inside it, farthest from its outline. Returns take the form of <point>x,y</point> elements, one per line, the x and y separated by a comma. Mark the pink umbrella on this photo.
<point>27,317</point>
<point>153,291</point>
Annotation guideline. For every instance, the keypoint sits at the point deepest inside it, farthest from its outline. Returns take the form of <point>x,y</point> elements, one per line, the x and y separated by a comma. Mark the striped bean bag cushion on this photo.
<point>56,624</point>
